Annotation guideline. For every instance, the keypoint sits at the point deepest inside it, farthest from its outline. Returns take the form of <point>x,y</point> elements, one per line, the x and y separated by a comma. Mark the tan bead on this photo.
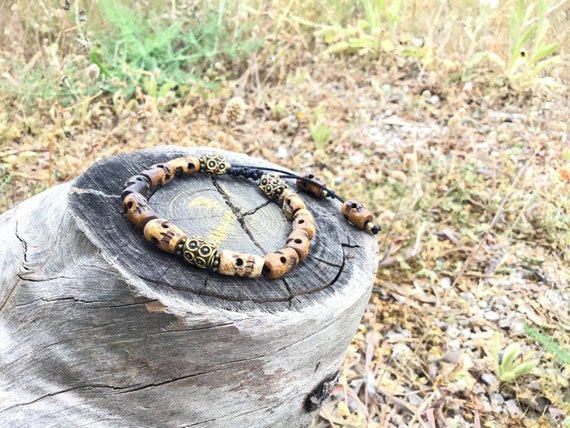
<point>303,219</point>
<point>186,165</point>
<point>138,210</point>
<point>159,174</point>
<point>280,262</point>
<point>164,235</point>
<point>312,188</point>
<point>240,264</point>
<point>357,214</point>
<point>291,203</point>
<point>300,242</point>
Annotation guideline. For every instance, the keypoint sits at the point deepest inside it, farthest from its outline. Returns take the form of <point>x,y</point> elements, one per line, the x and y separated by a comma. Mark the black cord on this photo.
<point>255,172</point>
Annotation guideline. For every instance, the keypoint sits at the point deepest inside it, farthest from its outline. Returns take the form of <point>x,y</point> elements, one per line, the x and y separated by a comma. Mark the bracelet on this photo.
<point>198,251</point>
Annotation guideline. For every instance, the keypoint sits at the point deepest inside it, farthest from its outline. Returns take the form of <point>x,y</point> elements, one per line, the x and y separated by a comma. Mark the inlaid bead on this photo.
<point>303,219</point>
<point>312,188</point>
<point>164,235</point>
<point>201,253</point>
<point>159,174</point>
<point>300,242</point>
<point>138,210</point>
<point>240,264</point>
<point>272,186</point>
<point>280,262</point>
<point>291,203</point>
<point>136,184</point>
<point>214,164</point>
<point>357,214</point>
<point>186,165</point>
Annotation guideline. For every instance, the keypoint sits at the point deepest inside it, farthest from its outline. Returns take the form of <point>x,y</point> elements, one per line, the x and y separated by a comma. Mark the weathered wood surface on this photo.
<point>99,328</point>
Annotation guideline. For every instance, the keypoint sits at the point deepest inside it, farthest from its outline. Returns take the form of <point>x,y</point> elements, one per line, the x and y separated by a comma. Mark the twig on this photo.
<point>491,226</point>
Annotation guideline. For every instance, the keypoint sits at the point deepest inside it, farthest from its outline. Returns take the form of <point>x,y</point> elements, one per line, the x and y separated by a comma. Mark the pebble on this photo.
<point>496,399</point>
<point>513,408</point>
<point>454,345</point>
<point>488,378</point>
<point>492,316</point>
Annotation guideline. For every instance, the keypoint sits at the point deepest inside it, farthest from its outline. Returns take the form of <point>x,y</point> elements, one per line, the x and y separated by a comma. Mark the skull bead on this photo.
<point>240,264</point>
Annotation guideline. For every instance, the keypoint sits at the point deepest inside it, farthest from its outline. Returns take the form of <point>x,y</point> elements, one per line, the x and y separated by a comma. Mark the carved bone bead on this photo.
<point>356,213</point>
<point>303,219</point>
<point>299,241</point>
<point>138,210</point>
<point>240,264</point>
<point>164,235</point>
<point>186,165</point>
<point>311,188</point>
<point>159,174</point>
<point>136,184</point>
<point>280,262</point>
<point>201,253</point>
<point>291,203</point>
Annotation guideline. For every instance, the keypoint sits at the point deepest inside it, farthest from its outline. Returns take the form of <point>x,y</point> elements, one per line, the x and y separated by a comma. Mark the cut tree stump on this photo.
<point>97,327</point>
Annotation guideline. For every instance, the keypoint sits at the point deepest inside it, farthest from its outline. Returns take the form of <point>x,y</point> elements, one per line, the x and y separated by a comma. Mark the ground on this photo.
<point>469,316</point>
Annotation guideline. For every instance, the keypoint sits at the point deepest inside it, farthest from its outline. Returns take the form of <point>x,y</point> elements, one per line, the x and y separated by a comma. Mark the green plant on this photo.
<point>180,48</point>
<point>512,363</point>
<point>321,133</point>
<point>549,345</point>
<point>530,54</point>
<point>370,34</point>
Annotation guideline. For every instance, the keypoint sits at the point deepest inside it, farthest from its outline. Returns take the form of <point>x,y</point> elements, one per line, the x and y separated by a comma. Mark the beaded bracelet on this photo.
<point>203,254</point>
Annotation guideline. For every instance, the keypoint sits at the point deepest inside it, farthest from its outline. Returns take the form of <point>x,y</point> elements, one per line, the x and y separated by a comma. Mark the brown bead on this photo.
<point>356,213</point>
<point>164,235</point>
<point>312,188</point>
<point>138,210</point>
<point>291,203</point>
<point>280,262</point>
<point>136,184</point>
<point>303,219</point>
<point>240,264</point>
<point>186,165</point>
<point>159,174</point>
<point>300,242</point>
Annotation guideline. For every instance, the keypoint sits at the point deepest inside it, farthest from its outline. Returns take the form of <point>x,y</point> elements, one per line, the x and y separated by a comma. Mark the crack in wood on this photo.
<point>238,214</point>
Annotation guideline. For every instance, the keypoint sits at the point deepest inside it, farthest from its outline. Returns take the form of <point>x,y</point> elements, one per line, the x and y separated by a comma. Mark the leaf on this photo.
<point>476,59</point>
<point>543,52</point>
<point>338,47</point>
<point>510,354</point>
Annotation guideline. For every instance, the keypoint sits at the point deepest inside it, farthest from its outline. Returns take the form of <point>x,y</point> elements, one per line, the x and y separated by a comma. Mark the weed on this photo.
<point>549,345</point>
<point>530,54</point>
<point>512,363</point>
<point>183,49</point>
<point>321,133</point>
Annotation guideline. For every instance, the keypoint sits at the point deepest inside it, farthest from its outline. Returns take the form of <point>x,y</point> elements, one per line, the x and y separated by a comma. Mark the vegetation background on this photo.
<point>448,119</point>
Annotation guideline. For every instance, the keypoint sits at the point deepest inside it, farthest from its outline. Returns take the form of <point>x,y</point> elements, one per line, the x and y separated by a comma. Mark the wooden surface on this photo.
<point>99,328</point>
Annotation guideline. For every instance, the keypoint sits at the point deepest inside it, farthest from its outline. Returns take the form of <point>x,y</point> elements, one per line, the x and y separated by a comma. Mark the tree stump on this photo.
<point>99,327</point>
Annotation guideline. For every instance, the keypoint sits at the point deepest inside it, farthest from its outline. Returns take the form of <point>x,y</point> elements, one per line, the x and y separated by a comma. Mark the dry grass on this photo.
<point>464,158</point>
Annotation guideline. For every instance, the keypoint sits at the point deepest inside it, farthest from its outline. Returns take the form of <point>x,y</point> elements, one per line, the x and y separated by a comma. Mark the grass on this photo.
<point>449,123</point>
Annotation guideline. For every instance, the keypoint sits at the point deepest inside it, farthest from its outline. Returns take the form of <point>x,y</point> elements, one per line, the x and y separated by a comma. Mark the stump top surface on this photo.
<point>230,212</point>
